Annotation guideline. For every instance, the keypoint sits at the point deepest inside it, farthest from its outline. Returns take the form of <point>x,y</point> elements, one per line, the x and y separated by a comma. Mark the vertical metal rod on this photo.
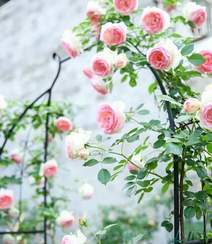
<point>45,159</point>
<point>176,166</point>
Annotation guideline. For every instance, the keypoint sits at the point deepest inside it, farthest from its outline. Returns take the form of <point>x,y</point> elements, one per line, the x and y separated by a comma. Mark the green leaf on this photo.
<point>138,238</point>
<point>130,177</point>
<point>128,235</point>
<point>192,24</point>
<point>158,144</point>
<point>143,112</point>
<point>167,225</point>
<point>169,99</point>
<point>183,118</point>
<point>188,202</point>
<point>193,138</point>
<point>209,147</point>
<point>109,160</point>
<point>104,176</point>
<point>189,212</point>
<point>201,172</point>
<point>173,148</point>
<point>196,59</point>
<point>142,174</point>
<point>152,87</point>
<point>175,35</point>
<point>134,137</point>
<point>165,188</point>
<point>99,137</point>
<point>187,49</point>
<point>131,191</point>
<point>91,162</point>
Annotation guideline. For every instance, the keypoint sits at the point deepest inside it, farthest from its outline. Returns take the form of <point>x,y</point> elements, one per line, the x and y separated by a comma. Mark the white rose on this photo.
<point>75,142</point>
<point>86,191</point>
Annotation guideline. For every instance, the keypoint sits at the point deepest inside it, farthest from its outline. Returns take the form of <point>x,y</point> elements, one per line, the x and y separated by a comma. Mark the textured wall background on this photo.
<point>30,33</point>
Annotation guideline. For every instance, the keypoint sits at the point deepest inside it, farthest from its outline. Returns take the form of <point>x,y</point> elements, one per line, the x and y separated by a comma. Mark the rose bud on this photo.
<point>191,105</point>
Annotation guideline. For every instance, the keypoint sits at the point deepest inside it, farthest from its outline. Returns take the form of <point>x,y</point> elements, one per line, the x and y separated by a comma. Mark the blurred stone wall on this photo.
<point>30,34</point>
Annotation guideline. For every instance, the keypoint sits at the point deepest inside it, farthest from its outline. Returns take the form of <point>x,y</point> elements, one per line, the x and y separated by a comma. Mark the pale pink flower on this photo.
<point>86,191</point>
<point>75,143</point>
<point>72,239</point>
<point>102,63</point>
<point>206,67</point>
<point>154,20</point>
<point>66,219</point>
<point>191,105</point>
<point>16,156</point>
<point>206,115</point>
<point>94,11</point>
<point>13,212</point>
<point>9,239</point>
<point>195,13</point>
<point>125,7</point>
<point>99,85</point>
<point>136,159</point>
<point>206,96</point>
<point>113,34</point>
<point>88,72</point>
<point>71,43</point>
<point>63,124</point>
<point>50,168</point>
<point>6,199</point>
<point>121,60</point>
<point>164,55</point>
<point>110,117</point>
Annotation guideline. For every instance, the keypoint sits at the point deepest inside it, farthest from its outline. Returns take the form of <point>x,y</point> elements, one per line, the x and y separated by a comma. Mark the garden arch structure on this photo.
<point>48,92</point>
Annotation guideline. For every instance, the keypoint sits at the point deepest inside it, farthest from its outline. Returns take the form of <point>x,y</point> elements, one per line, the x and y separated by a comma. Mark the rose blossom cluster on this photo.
<point>75,144</point>
<point>102,66</point>
<point>203,108</point>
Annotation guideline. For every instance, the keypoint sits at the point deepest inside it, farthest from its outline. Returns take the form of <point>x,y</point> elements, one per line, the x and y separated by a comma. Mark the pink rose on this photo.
<point>191,105</point>
<point>206,67</point>
<point>99,85</point>
<point>94,11</point>
<point>102,63</point>
<point>164,55</point>
<point>125,7</point>
<point>110,117</point>
<point>16,156</point>
<point>206,96</point>
<point>63,124</point>
<point>121,60</point>
<point>96,30</point>
<point>136,159</point>
<point>75,143</point>
<point>6,199</point>
<point>66,219</point>
<point>154,20</point>
<point>50,168</point>
<point>195,13</point>
<point>72,239</point>
<point>113,34</point>
<point>71,43</point>
<point>206,115</point>
<point>86,191</point>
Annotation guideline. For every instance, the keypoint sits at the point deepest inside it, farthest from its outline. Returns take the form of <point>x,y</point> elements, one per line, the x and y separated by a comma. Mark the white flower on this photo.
<point>74,239</point>
<point>86,190</point>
